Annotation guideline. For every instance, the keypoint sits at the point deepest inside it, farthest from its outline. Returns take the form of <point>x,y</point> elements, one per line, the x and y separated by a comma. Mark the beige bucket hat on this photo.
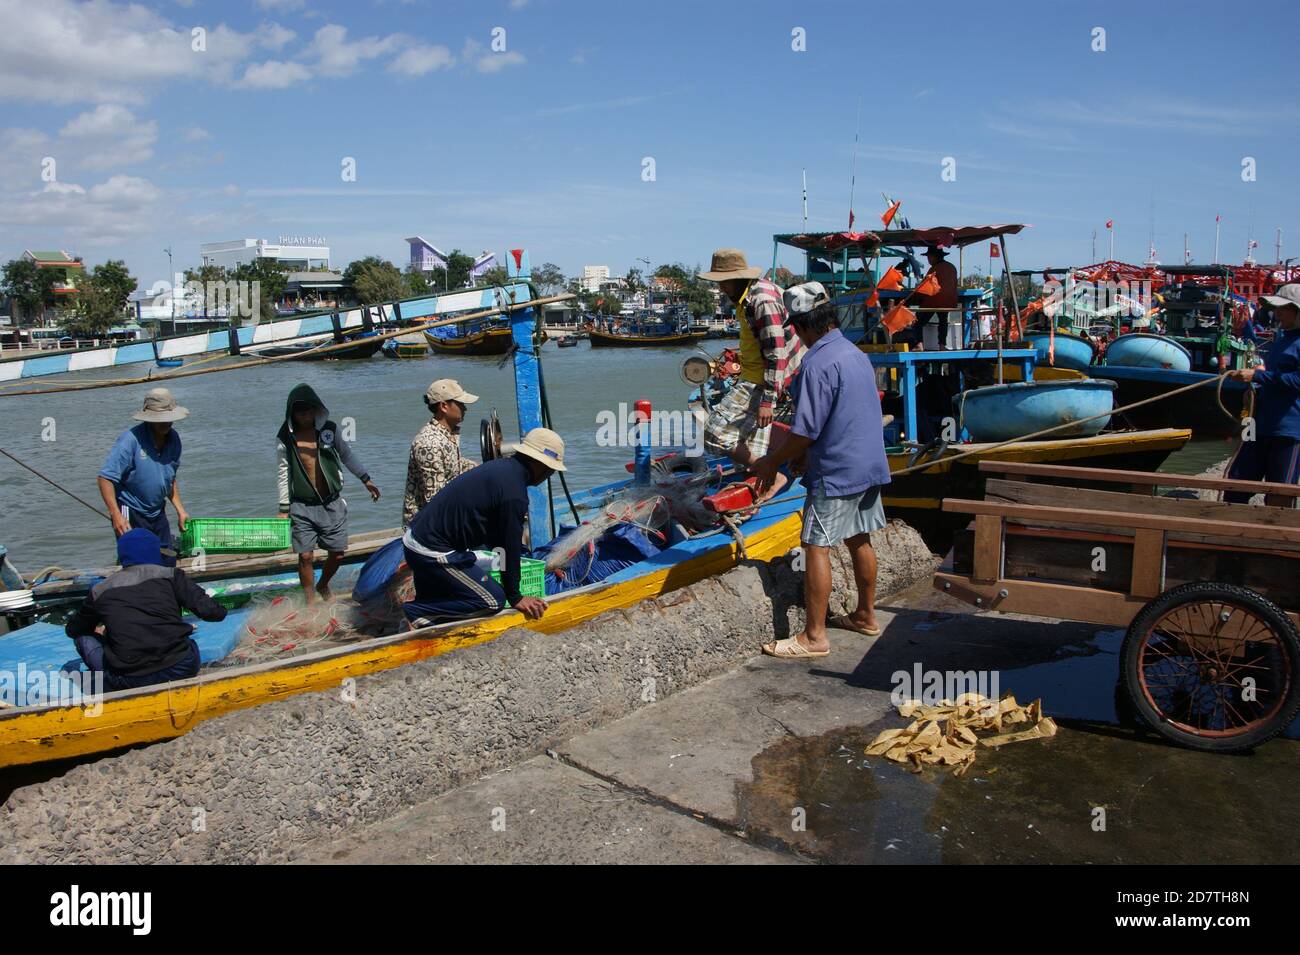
<point>449,389</point>
<point>543,445</point>
<point>729,264</point>
<point>160,406</point>
<point>1286,295</point>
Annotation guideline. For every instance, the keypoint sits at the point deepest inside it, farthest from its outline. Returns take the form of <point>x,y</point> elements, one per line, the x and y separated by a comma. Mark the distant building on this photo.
<point>592,276</point>
<point>427,257</point>
<point>68,269</point>
<point>297,252</point>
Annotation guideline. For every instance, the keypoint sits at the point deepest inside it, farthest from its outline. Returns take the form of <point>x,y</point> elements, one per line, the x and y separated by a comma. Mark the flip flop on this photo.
<point>845,622</point>
<point>792,649</point>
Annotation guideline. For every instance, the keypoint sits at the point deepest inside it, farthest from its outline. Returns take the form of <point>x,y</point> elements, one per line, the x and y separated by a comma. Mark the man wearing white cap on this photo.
<point>1274,454</point>
<point>139,477</point>
<point>483,509</point>
<point>435,452</point>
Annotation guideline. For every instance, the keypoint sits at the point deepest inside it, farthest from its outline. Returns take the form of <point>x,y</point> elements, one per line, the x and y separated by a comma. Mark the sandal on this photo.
<point>845,622</point>
<point>791,649</point>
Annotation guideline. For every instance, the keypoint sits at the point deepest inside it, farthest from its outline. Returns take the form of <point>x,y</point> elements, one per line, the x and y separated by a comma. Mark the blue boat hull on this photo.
<point>1070,351</point>
<point>1197,409</point>
<point>1006,412</point>
<point>1144,350</point>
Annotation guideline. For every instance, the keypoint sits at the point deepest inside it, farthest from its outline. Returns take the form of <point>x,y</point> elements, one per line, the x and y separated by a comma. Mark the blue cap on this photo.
<point>139,546</point>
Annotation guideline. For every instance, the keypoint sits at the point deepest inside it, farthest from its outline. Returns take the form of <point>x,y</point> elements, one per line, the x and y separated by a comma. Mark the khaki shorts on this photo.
<point>734,421</point>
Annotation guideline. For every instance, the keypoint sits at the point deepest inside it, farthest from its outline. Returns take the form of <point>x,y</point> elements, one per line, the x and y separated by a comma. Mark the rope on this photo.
<point>54,483</point>
<point>191,372</point>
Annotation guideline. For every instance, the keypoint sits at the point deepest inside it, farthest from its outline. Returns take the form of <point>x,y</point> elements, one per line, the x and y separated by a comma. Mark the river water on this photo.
<point>228,467</point>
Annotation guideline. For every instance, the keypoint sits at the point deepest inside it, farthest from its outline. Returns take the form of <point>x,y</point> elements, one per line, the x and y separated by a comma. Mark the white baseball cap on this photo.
<point>543,445</point>
<point>800,299</point>
<point>1286,295</point>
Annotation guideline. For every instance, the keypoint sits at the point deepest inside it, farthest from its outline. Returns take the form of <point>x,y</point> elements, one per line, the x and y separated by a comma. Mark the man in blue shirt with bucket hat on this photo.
<point>837,424</point>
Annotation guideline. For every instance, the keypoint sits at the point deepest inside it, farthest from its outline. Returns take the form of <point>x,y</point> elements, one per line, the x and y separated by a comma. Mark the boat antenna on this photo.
<point>805,200</point>
<point>853,170</point>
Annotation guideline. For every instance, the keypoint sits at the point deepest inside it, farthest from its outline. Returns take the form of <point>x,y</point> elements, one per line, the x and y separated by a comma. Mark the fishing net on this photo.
<point>286,625</point>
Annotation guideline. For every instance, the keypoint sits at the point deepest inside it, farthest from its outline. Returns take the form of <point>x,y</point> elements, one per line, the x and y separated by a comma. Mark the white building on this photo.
<point>298,252</point>
<point>592,276</point>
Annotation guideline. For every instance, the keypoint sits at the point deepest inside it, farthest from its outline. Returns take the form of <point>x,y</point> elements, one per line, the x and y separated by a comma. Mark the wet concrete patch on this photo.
<point>1028,802</point>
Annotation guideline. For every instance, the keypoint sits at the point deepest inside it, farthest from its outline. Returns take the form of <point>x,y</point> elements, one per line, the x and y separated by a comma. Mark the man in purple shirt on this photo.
<point>837,423</point>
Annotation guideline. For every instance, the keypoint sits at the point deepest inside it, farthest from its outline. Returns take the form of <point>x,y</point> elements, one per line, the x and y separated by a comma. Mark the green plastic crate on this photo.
<point>532,575</point>
<point>235,535</point>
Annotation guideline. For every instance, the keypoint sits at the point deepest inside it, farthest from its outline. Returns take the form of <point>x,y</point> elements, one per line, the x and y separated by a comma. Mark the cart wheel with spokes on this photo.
<point>1213,667</point>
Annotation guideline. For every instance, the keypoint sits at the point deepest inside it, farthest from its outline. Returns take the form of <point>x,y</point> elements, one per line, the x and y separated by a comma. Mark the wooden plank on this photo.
<point>1144,478</point>
<point>988,547</point>
<point>1148,576</point>
<point>1019,491</point>
<point>1190,525</point>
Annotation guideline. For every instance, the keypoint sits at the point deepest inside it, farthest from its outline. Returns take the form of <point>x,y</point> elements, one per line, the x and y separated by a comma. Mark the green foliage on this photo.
<point>497,275</point>
<point>633,281</point>
<point>692,291</point>
<point>417,282</point>
<point>101,299</point>
<point>26,285</point>
<point>379,282</point>
<point>458,267</point>
<point>270,277</point>
<point>548,278</point>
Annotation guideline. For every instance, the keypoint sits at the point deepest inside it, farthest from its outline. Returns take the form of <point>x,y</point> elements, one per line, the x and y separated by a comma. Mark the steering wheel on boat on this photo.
<point>489,437</point>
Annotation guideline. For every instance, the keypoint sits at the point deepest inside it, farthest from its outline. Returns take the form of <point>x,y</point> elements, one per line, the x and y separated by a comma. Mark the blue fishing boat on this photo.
<point>1009,411</point>
<point>53,723</point>
<point>1146,350</point>
<point>1063,350</point>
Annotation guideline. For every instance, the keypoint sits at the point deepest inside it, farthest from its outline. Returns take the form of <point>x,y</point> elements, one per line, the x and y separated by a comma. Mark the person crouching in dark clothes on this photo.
<point>130,627</point>
<point>482,509</point>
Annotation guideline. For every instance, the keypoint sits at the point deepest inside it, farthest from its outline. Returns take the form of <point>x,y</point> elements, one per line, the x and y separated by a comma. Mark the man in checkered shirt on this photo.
<point>740,425</point>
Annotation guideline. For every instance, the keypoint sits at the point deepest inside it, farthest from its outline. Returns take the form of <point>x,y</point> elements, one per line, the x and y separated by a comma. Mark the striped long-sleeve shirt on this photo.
<point>779,346</point>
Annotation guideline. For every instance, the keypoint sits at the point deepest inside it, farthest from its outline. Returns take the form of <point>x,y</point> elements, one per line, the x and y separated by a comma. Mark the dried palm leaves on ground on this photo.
<point>947,734</point>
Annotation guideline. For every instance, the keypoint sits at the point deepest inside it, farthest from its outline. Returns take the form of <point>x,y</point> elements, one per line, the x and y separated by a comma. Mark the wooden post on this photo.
<point>1148,562</point>
<point>988,548</point>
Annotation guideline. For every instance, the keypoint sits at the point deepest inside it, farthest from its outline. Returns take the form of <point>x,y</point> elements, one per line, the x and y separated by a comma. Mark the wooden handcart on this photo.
<point>1208,590</point>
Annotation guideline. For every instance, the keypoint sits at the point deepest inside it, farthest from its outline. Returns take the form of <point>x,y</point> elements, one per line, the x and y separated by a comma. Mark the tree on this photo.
<point>548,278</point>
<point>379,282</point>
<point>354,269</point>
<point>22,282</point>
<point>497,275</point>
<point>633,281</point>
<point>458,268</point>
<point>101,298</point>
<point>269,278</point>
<point>417,282</point>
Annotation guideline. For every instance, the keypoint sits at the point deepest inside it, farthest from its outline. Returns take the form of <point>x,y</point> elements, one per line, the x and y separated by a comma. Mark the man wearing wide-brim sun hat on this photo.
<point>740,425</point>
<point>1273,454</point>
<point>139,477</point>
<point>435,451</point>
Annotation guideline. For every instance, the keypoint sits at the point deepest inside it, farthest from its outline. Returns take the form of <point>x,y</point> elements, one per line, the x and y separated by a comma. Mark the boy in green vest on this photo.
<point>311,455</point>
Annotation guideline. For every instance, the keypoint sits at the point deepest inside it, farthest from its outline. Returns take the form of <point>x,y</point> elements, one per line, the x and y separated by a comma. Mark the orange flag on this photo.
<point>891,281</point>
<point>898,318</point>
<point>887,216</point>
<point>929,285</point>
<point>874,300</point>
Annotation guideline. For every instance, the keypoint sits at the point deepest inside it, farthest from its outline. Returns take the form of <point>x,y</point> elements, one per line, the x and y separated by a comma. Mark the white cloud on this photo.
<point>120,208</point>
<point>273,75</point>
<point>474,54</point>
<point>195,134</point>
<point>272,36</point>
<point>110,136</point>
<point>419,60</point>
<point>59,51</point>
<point>337,56</point>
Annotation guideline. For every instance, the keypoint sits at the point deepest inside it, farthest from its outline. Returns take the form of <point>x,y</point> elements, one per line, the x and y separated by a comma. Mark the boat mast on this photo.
<point>853,170</point>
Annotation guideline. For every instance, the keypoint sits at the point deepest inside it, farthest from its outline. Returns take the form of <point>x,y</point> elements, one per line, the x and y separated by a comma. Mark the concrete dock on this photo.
<point>765,765</point>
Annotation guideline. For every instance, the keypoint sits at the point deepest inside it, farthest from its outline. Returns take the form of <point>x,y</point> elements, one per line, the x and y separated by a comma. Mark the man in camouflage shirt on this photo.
<point>435,452</point>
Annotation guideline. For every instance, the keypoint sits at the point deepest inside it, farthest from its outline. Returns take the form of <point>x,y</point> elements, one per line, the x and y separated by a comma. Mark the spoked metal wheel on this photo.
<point>1214,667</point>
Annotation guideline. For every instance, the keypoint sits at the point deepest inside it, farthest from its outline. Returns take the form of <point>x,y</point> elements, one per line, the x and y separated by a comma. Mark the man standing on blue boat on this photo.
<point>740,425</point>
<point>1274,455</point>
<point>139,477</point>
<point>483,509</point>
<point>837,424</point>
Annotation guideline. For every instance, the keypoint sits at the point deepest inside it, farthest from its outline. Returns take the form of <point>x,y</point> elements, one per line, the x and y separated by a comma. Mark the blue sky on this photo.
<point>542,145</point>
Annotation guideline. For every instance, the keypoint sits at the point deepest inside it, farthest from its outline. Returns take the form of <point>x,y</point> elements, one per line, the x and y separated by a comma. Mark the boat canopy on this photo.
<point>945,236</point>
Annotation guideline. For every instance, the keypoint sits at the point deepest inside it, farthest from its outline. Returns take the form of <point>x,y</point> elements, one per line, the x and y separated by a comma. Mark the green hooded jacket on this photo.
<point>332,455</point>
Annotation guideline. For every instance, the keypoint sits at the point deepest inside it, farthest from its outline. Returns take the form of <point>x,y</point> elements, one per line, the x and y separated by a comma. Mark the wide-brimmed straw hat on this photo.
<point>729,264</point>
<point>160,406</point>
<point>543,445</point>
<point>449,389</point>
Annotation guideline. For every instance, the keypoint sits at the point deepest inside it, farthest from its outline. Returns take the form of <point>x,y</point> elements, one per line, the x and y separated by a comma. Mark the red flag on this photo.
<point>850,218</point>
<point>887,216</point>
<point>994,252</point>
<point>1216,218</point>
<point>1110,223</point>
